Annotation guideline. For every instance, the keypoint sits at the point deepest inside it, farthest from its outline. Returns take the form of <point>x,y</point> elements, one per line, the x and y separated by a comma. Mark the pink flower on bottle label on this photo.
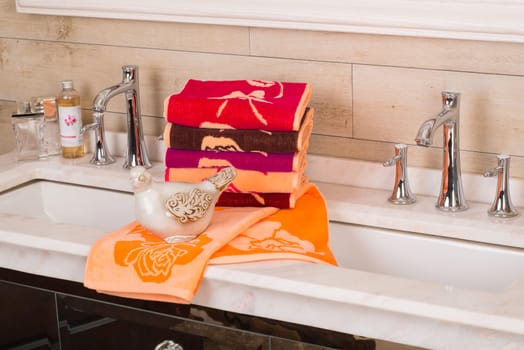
<point>70,126</point>
<point>70,120</point>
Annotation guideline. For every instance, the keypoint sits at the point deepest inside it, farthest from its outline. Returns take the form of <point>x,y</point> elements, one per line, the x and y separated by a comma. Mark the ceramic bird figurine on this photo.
<point>177,211</point>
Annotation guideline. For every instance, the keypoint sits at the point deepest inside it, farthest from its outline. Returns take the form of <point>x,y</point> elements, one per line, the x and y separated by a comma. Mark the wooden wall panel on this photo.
<point>32,68</point>
<point>156,35</point>
<point>443,54</point>
<point>491,114</point>
<point>369,91</point>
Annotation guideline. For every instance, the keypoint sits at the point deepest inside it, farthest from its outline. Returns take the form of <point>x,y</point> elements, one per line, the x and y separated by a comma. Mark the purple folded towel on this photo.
<point>263,162</point>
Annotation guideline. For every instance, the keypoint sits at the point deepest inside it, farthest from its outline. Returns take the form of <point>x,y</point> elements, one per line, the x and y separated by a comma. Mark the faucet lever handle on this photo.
<point>502,206</point>
<point>392,160</point>
<point>401,192</point>
<point>493,172</point>
<point>101,154</point>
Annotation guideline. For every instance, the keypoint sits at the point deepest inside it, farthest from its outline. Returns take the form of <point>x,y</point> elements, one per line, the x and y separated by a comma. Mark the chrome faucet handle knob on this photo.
<point>492,172</point>
<point>391,161</point>
<point>101,154</point>
<point>401,192</point>
<point>502,206</point>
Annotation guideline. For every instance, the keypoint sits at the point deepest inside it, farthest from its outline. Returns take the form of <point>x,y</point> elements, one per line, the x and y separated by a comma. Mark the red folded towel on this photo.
<point>263,162</point>
<point>239,104</point>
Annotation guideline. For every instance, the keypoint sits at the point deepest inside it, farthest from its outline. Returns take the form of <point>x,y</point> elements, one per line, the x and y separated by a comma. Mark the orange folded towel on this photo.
<point>239,104</point>
<point>132,262</point>
<point>135,263</point>
<point>300,233</point>
<point>245,181</point>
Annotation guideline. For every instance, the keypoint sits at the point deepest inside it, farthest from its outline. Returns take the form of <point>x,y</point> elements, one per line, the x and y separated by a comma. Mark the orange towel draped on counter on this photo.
<point>132,262</point>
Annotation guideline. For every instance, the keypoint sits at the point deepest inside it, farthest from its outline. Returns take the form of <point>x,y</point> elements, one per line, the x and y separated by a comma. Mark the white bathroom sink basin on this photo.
<point>70,204</point>
<point>447,262</point>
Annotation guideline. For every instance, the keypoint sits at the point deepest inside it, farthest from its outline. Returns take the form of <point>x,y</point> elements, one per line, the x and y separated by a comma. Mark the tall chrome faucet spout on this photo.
<point>451,197</point>
<point>136,153</point>
<point>449,114</point>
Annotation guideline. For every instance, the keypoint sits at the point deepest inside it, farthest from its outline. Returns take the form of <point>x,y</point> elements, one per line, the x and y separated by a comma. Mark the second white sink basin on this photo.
<point>448,262</point>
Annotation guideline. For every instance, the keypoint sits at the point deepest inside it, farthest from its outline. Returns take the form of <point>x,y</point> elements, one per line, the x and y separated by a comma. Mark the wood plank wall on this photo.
<point>369,91</point>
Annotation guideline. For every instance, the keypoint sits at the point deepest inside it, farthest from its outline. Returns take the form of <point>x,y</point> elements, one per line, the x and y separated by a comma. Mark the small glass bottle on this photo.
<point>47,106</point>
<point>70,120</point>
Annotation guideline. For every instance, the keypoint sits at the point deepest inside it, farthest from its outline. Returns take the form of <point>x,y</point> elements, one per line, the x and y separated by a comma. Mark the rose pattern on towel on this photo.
<point>269,236</point>
<point>152,258</point>
<point>251,98</point>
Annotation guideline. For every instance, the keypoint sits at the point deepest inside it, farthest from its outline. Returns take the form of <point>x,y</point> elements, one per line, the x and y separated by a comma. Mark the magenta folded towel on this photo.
<point>263,162</point>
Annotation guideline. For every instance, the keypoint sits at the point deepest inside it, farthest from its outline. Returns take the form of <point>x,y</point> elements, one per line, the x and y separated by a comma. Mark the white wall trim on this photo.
<point>493,20</point>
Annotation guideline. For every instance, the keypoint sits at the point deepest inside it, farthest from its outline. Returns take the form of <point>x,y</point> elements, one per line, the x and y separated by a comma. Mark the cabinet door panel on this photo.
<point>27,318</point>
<point>345,343</point>
<point>89,324</point>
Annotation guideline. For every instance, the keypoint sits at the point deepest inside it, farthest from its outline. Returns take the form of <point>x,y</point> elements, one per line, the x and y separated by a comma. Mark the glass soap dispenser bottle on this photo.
<point>27,127</point>
<point>70,120</point>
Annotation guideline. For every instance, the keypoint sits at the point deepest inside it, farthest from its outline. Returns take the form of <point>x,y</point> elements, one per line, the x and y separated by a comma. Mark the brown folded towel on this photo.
<point>236,140</point>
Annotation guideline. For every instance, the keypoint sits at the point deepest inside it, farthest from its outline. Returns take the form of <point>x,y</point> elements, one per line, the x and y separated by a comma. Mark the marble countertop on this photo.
<point>397,309</point>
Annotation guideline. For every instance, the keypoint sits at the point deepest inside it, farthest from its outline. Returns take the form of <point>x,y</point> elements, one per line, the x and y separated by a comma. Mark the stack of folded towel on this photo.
<point>261,128</point>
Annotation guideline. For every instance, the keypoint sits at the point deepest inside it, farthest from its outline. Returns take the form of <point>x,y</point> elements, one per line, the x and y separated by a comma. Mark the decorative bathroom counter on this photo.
<point>390,306</point>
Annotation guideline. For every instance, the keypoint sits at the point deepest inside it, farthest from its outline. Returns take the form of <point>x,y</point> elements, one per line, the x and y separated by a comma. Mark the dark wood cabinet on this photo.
<point>46,313</point>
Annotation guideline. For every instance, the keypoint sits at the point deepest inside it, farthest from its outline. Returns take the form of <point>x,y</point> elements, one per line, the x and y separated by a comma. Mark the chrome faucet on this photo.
<point>451,197</point>
<point>136,152</point>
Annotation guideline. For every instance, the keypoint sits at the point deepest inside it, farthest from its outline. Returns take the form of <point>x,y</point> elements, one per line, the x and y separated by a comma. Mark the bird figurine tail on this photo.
<point>223,178</point>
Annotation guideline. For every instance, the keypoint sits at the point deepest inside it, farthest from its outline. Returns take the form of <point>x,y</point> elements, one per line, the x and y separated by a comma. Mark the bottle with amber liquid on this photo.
<point>70,119</point>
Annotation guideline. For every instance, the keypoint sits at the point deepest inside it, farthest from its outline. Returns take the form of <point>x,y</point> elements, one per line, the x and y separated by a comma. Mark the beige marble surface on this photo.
<point>386,306</point>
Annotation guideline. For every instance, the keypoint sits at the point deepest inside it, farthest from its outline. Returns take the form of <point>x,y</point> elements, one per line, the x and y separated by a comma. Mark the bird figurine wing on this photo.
<point>189,206</point>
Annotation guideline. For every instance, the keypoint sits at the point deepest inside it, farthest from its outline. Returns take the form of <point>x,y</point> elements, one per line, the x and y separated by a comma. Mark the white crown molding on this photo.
<point>493,20</point>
